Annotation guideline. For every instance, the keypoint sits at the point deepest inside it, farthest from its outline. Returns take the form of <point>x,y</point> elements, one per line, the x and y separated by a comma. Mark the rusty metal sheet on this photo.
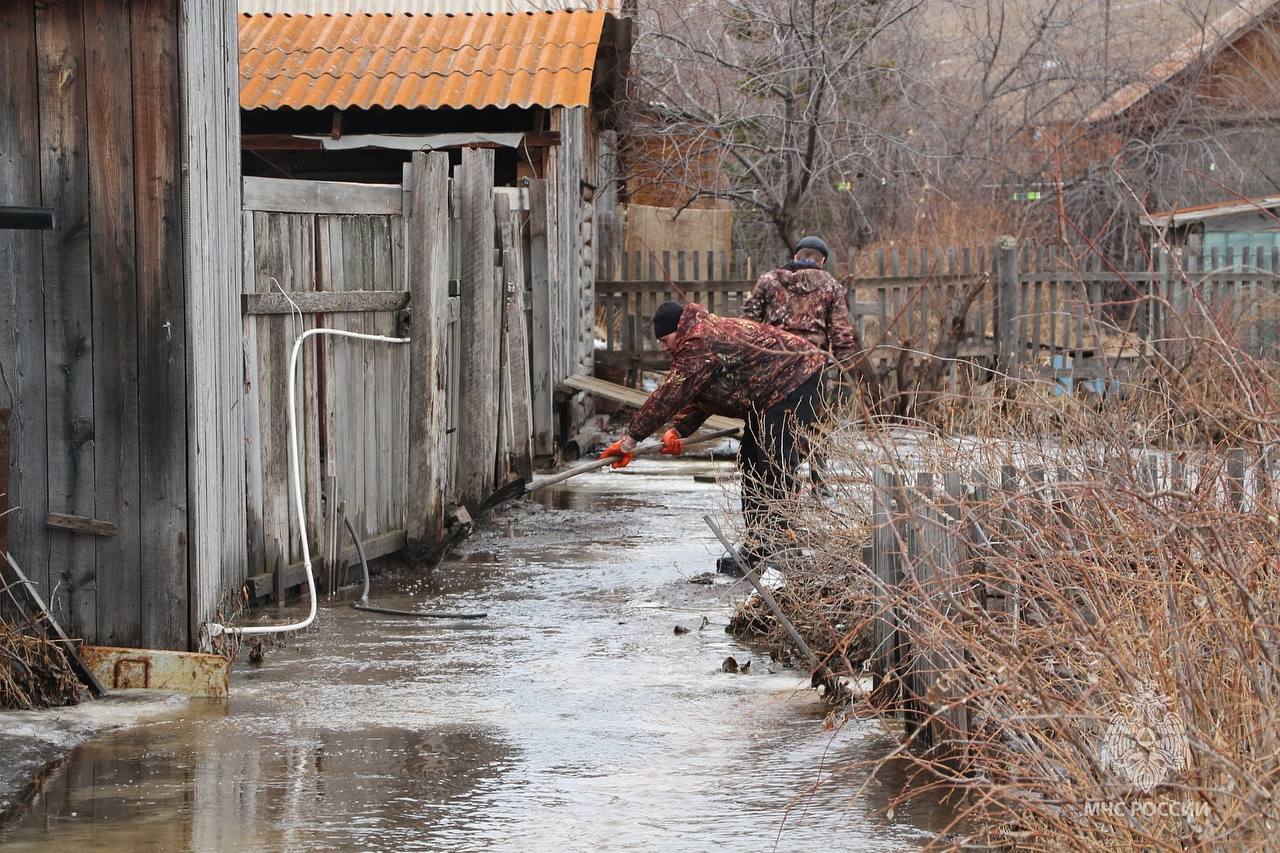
<point>419,7</point>
<point>157,669</point>
<point>415,61</point>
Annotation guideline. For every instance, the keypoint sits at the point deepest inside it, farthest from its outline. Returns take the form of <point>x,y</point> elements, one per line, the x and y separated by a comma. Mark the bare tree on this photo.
<point>769,104</point>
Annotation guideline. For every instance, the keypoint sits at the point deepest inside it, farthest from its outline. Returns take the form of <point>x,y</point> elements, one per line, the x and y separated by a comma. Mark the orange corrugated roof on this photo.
<point>427,61</point>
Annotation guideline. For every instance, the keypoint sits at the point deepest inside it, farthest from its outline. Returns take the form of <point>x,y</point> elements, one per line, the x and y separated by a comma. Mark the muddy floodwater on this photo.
<point>572,718</point>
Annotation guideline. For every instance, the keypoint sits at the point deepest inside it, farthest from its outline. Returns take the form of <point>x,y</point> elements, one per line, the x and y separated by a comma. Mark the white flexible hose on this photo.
<point>216,629</point>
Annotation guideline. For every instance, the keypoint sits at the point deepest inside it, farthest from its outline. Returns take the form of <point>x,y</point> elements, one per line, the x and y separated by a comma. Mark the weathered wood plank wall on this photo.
<point>352,411</point>
<point>22,313</point>
<point>208,37</point>
<point>379,422</point>
<point>541,367</point>
<point>162,327</point>
<point>108,46</point>
<point>68,331</point>
<point>124,119</point>
<point>569,257</point>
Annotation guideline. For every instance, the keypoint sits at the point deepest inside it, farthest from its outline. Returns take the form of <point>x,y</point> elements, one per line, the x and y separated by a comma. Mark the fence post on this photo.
<point>1006,304</point>
<point>541,392</point>
<point>884,565</point>
<point>427,246</point>
<point>479,329</point>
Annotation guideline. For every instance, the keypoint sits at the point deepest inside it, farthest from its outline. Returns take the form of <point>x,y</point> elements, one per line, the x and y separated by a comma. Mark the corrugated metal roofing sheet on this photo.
<point>420,7</point>
<point>418,61</point>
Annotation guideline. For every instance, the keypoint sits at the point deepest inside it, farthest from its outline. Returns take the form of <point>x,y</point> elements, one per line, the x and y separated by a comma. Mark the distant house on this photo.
<point>1212,106</point>
<point>1238,228</point>
<point>1057,102</point>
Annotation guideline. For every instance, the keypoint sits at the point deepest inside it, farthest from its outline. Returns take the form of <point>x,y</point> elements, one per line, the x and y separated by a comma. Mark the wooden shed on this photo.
<point>347,90</point>
<point>120,351</point>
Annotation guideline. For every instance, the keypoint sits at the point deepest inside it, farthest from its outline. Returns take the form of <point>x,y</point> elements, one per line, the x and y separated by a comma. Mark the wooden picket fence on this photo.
<point>390,436</point>
<point>931,534</point>
<point>1038,311</point>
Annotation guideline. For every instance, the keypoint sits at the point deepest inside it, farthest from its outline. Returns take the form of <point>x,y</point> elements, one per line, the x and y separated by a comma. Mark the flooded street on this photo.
<point>571,718</point>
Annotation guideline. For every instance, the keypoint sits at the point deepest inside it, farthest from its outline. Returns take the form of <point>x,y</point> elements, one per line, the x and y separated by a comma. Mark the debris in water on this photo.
<point>731,665</point>
<point>680,629</point>
<point>704,579</point>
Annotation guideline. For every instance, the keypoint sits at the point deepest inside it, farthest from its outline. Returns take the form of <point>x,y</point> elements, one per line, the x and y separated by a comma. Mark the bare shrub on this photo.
<point>1082,599</point>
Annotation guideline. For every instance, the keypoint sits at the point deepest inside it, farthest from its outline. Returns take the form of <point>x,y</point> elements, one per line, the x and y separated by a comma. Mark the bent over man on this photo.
<point>740,369</point>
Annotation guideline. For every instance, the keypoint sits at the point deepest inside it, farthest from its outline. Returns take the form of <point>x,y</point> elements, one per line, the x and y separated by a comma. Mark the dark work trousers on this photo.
<point>769,453</point>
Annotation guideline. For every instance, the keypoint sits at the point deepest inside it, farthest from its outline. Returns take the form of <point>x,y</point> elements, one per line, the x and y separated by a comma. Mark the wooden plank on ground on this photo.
<point>632,397</point>
<point>285,195</point>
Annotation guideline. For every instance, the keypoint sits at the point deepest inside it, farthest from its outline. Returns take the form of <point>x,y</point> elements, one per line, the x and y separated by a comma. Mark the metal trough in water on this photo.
<point>181,672</point>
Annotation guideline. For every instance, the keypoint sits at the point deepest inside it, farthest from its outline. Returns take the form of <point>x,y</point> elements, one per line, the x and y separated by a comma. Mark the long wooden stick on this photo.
<point>86,675</point>
<point>748,572</point>
<point>643,450</point>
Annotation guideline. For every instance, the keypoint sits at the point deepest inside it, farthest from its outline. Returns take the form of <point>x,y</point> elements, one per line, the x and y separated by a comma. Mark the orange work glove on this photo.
<point>671,443</point>
<point>615,449</point>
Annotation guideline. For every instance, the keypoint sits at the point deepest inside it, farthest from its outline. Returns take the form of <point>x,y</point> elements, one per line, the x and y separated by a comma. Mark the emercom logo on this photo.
<point>1146,742</point>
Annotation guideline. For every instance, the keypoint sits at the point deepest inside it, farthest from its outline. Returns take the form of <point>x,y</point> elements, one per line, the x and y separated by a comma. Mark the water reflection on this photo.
<point>572,718</point>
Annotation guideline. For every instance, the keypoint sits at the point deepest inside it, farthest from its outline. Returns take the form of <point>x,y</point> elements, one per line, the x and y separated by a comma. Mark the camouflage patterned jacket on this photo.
<point>725,366</point>
<point>809,302</point>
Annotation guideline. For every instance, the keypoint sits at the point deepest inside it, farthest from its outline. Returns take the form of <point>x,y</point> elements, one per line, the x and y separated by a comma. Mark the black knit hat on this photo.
<point>816,243</point>
<point>666,318</point>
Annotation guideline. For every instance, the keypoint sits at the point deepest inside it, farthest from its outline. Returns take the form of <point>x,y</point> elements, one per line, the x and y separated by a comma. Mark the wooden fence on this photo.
<point>1036,310</point>
<point>931,538</point>
<point>390,436</point>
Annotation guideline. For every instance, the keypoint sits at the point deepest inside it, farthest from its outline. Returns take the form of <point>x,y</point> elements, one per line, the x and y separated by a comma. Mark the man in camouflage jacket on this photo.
<point>806,300</point>
<point>740,369</point>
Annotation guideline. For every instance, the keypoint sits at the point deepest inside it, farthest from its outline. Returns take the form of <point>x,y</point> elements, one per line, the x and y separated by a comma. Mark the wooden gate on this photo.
<point>328,255</point>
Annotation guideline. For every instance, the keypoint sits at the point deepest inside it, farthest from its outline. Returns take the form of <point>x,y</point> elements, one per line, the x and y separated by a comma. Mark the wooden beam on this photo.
<point>297,142</point>
<point>279,142</point>
<point>284,195</point>
<point>541,393</point>
<point>427,229</point>
<point>479,327</point>
<point>324,301</point>
<point>631,397</point>
<point>263,584</point>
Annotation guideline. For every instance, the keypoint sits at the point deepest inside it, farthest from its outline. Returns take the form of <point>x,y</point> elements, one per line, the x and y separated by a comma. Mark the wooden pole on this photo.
<point>477,421</point>
<point>427,247</point>
<point>1006,304</point>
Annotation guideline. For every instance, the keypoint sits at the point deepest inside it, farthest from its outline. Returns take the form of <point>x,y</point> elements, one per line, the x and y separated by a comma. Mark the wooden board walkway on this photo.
<point>632,397</point>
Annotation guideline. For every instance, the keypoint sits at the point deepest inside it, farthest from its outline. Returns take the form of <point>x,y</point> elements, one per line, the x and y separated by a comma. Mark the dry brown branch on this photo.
<point>1088,603</point>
